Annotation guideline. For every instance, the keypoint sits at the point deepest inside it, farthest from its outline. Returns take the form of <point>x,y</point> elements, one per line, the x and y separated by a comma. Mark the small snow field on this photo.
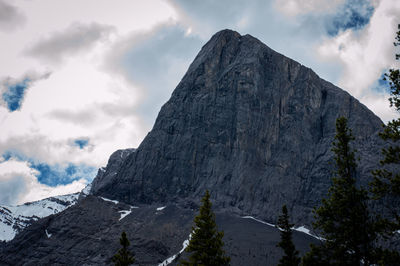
<point>172,258</point>
<point>113,201</point>
<point>257,220</point>
<point>124,214</point>
<point>161,208</point>
<point>301,229</point>
<point>47,234</point>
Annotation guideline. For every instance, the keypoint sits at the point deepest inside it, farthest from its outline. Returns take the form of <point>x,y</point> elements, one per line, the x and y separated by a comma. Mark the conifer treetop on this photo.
<point>205,245</point>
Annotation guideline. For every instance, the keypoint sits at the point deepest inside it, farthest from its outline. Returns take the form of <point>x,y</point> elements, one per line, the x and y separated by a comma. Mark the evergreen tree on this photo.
<point>123,256</point>
<point>205,245</point>
<point>343,218</point>
<point>386,183</point>
<point>291,256</point>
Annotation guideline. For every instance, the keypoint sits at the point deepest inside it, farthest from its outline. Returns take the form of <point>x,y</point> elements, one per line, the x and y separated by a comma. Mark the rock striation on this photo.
<point>252,126</point>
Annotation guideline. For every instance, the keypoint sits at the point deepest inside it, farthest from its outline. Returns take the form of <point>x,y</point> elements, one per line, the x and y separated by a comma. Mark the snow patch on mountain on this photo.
<point>15,218</point>
<point>301,229</point>
<point>113,201</point>
<point>257,220</point>
<point>124,214</point>
<point>47,234</point>
<point>172,258</point>
<point>86,190</point>
<point>305,230</point>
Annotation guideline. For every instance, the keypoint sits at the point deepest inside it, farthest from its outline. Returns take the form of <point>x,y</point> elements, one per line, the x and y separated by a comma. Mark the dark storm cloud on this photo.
<point>10,17</point>
<point>74,39</point>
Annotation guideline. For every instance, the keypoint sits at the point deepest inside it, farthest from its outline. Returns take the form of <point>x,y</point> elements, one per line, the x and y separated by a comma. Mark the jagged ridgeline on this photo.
<point>252,126</point>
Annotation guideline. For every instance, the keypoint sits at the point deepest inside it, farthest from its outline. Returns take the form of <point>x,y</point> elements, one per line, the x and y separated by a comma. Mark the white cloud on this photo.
<point>18,184</point>
<point>78,99</point>
<point>379,104</point>
<point>299,7</point>
<point>153,62</point>
<point>75,39</point>
<point>365,55</point>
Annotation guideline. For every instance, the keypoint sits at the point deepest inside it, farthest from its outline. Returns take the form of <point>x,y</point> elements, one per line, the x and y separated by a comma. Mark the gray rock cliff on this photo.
<point>252,126</point>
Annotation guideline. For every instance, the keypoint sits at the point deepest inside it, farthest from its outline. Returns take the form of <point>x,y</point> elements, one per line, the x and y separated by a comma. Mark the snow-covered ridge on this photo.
<point>15,218</point>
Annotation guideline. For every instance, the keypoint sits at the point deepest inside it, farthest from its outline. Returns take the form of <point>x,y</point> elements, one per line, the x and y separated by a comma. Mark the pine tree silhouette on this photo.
<point>123,256</point>
<point>205,245</point>
<point>291,256</point>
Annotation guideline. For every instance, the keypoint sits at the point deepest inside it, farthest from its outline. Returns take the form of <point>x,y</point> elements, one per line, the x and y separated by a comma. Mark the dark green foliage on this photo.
<point>123,256</point>
<point>343,218</point>
<point>386,183</point>
<point>291,256</point>
<point>205,245</point>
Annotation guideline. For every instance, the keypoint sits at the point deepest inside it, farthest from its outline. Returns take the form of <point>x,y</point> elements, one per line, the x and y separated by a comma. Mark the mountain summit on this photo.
<point>249,124</point>
<point>252,126</point>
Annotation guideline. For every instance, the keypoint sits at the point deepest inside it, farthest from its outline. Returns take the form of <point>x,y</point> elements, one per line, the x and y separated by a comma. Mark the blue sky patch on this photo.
<point>381,86</point>
<point>55,174</point>
<point>354,14</point>
<point>81,143</point>
<point>14,94</point>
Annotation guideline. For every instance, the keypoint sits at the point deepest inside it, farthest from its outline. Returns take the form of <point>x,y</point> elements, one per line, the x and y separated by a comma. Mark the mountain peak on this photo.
<point>226,33</point>
<point>226,36</point>
<point>244,123</point>
<point>227,48</point>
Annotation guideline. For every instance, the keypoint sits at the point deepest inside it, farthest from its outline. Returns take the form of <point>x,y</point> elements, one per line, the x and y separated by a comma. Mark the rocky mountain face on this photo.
<point>105,174</point>
<point>252,126</point>
<point>88,234</point>
<point>247,123</point>
<point>13,219</point>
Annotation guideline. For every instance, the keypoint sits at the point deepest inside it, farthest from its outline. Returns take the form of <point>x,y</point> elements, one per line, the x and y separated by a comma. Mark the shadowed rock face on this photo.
<point>88,234</point>
<point>252,126</point>
<point>105,174</point>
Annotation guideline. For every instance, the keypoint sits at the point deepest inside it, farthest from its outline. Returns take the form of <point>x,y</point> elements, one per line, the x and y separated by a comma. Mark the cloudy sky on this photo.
<point>80,79</point>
